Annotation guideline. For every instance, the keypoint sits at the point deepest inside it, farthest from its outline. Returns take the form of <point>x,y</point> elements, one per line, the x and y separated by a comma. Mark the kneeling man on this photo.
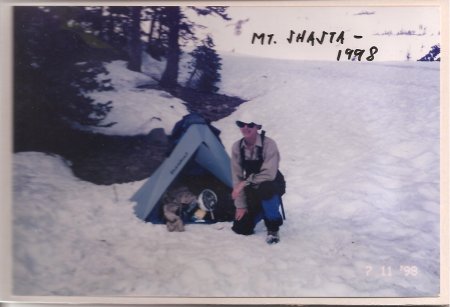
<point>258,184</point>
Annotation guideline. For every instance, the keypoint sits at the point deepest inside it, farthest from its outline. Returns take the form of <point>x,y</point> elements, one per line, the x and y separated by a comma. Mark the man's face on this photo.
<point>248,132</point>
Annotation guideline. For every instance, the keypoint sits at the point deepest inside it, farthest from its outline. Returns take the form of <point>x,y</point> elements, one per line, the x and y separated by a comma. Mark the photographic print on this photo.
<point>226,151</point>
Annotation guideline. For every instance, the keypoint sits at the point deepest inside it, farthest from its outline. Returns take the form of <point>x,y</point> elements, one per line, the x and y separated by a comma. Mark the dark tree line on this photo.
<point>169,28</point>
<point>53,67</point>
<point>433,55</point>
<point>59,51</point>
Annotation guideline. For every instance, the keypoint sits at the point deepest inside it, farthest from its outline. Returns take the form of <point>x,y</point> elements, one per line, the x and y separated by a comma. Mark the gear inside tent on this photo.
<point>197,161</point>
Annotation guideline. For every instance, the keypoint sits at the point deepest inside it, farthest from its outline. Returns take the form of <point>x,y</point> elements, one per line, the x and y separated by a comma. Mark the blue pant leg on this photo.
<point>271,210</point>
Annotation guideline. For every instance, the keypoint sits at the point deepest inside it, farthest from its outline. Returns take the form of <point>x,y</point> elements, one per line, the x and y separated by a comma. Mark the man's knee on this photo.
<point>244,226</point>
<point>266,190</point>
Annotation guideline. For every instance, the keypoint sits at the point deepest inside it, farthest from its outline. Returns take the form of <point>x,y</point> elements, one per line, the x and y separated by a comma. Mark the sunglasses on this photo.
<point>242,124</point>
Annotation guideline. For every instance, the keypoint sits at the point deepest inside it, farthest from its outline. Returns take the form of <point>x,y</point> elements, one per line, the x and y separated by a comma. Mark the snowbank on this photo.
<point>360,151</point>
<point>137,109</point>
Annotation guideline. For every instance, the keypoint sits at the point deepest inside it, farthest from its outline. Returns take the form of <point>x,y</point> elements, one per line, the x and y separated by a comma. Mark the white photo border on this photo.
<point>6,172</point>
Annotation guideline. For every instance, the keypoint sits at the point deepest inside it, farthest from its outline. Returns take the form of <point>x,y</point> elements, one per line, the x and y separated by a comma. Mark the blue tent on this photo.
<point>198,146</point>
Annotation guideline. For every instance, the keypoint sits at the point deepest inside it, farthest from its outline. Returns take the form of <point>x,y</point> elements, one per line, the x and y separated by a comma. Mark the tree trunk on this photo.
<point>170,75</point>
<point>152,28</point>
<point>134,45</point>
<point>108,32</point>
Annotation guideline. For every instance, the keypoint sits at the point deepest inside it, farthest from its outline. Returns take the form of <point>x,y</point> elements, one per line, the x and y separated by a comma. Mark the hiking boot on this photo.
<point>272,237</point>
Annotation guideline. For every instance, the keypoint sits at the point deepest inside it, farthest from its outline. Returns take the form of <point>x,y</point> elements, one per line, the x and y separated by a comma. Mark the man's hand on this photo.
<point>238,189</point>
<point>240,212</point>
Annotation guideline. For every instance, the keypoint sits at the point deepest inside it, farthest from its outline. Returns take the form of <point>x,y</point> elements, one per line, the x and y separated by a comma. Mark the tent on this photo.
<point>197,154</point>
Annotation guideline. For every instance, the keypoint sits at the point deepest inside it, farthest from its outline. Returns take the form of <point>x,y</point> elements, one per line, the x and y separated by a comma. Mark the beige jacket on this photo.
<point>269,168</point>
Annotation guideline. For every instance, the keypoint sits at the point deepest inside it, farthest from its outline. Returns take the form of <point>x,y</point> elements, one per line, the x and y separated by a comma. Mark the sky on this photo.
<point>372,23</point>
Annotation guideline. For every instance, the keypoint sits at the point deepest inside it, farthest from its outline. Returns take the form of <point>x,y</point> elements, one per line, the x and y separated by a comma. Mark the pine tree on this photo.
<point>180,28</point>
<point>52,74</point>
<point>205,67</point>
<point>156,32</point>
<point>134,46</point>
<point>433,55</point>
<point>169,78</point>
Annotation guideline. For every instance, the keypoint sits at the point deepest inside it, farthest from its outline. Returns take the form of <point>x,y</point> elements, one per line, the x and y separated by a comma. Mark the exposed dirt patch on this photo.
<point>211,106</point>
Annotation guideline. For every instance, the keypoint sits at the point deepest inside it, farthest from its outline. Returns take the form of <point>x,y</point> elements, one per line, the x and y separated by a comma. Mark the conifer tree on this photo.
<point>433,55</point>
<point>53,71</point>
<point>180,28</point>
<point>135,46</point>
<point>170,75</point>
<point>205,67</point>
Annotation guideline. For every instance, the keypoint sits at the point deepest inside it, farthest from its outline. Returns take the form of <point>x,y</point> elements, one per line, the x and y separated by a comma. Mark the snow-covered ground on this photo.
<point>360,152</point>
<point>136,108</point>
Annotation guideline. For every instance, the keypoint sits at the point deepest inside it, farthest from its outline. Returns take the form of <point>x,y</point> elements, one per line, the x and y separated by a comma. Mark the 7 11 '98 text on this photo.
<point>387,271</point>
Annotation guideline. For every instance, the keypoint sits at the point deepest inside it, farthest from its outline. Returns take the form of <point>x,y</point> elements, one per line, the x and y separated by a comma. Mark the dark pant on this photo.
<point>262,203</point>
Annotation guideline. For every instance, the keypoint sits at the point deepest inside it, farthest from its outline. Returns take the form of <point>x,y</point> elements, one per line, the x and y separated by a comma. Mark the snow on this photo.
<point>360,152</point>
<point>136,109</point>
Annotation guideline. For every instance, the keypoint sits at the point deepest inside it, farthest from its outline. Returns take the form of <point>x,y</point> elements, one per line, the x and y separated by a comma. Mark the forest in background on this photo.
<point>60,51</point>
<point>58,54</point>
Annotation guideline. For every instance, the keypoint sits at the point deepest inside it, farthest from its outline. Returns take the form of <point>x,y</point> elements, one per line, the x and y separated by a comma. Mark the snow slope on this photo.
<point>137,109</point>
<point>360,151</point>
